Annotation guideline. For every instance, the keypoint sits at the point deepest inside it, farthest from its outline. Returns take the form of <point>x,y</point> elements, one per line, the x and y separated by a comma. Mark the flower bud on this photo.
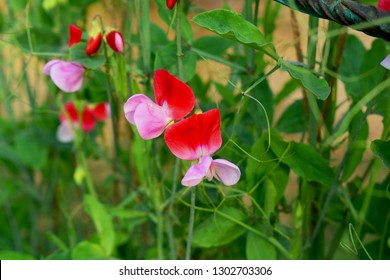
<point>95,39</point>
<point>114,40</point>
<point>171,4</point>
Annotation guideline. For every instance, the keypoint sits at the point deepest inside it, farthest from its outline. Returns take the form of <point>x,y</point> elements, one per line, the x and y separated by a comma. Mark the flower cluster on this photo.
<point>194,138</point>
<point>86,119</point>
<point>68,75</point>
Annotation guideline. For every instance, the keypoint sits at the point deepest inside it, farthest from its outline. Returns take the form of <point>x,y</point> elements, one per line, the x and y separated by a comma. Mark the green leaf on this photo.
<point>357,149</point>
<point>304,160</point>
<point>381,149</point>
<point>30,153</point>
<point>17,5</point>
<point>270,197</point>
<point>87,250</point>
<point>293,118</point>
<point>226,94</point>
<point>233,26</point>
<point>166,58</point>
<point>217,230</point>
<point>318,87</point>
<point>77,54</point>
<point>12,255</point>
<point>258,248</point>
<point>213,45</point>
<point>350,65</point>
<point>102,222</point>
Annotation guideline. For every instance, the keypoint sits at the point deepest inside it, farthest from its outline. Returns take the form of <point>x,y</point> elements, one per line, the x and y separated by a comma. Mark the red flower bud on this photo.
<point>115,40</point>
<point>94,44</point>
<point>95,39</point>
<point>75,34</point>
<point>171,4</point>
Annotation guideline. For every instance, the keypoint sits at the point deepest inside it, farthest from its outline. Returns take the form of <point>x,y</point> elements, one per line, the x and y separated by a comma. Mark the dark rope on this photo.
<point>344,12</point>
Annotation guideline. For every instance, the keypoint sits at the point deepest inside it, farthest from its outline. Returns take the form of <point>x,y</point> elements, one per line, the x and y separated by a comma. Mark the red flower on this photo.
<point>114,40</point>
<point>384,5</point>
<point>171,3</point>
<point>75,34</point>
<point>198,137</point>
<point>174,101</point>
<point>101,111</point>
<point>72,117</point>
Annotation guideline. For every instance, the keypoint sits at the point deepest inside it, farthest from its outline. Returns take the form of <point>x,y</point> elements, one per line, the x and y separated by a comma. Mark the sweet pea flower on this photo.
<point>171,3</point>
<point>68,76</point>
<point>174,101</point>
<point>384,5</point>
<point>114,40</point>
<point>72,118</point>
<point>198,137</point>
<point>75,34</point>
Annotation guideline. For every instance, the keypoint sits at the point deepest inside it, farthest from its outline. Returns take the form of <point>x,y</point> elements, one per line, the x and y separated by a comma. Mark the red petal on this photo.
<point>171,4</point>
<point>384,5</point>
<point>178,96</point>
<point>71,111</point>
<point>94,44</point>
<point>101,111</point>
<point>88,121</point>
<point>196,136</point>
<point>75,34</point>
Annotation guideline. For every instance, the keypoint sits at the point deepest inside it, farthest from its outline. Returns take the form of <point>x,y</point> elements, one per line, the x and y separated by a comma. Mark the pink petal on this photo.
<point>68,76</point>
<point>196,136</point>
<point>150,120</point>
<point>197,172</point>
<point>132,104</point>
<point>386,62</point>
<point>171,92</point>
<point>47,68</point>
<point>65,133</point>
<point>226,172</point>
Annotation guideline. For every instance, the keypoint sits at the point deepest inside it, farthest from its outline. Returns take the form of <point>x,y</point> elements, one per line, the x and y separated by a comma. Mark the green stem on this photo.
<point>311,102</point>
<point>191,224</point>
<point>87,174</point>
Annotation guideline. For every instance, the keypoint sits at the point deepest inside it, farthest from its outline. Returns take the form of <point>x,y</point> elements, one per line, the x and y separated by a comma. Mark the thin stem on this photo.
<point>191,224</point>
<point>87,174</point>
<point>178,40</point>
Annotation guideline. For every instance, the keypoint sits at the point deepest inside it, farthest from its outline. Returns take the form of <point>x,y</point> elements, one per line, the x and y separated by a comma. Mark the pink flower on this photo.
<point>114,40</point>
<point>174,101</point>
<point>384,5</point>
<point>198,137</point>
<point>75,34</point>
<point>68,76</point>
<point>72,117</point>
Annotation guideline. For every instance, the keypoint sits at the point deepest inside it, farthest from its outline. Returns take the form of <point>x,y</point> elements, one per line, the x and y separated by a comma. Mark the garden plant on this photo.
<point>248,129</point>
